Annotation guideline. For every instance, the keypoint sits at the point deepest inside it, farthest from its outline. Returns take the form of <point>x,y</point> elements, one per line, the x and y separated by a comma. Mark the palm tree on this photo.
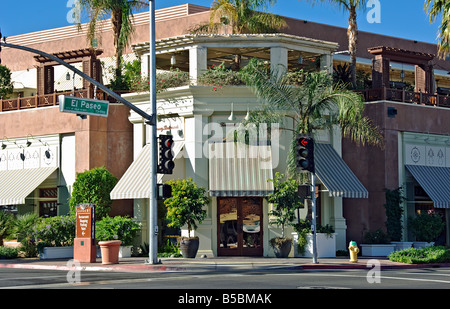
<point>434,9</point>
<point>313,105</point>
<point>243,17</point>
<point>352,6</point>
<point>121,14</point>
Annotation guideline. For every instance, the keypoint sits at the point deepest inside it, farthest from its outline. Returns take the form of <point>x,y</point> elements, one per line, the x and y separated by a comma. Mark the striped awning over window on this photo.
<point>335,174</point>
<point>16,185</point>
<point>237,169</point>
<point>434,181</point>
<point>135,183</point>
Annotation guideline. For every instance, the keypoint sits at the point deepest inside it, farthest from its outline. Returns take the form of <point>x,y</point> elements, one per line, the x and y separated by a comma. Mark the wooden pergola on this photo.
<point>46,69</point>
<point>424,79</point>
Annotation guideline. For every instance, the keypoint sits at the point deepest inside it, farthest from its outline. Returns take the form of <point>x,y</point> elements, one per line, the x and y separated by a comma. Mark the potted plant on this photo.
<point>326,242</point>
<point>377,243</point>
<point>54,237</point>
<point>185,207</point>
<point>426,227</point>
<point>285,201</point>
<point>116,234</point>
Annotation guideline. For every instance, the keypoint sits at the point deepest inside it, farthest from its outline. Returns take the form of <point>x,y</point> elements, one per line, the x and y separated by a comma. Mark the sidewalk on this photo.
<point>224,264</point>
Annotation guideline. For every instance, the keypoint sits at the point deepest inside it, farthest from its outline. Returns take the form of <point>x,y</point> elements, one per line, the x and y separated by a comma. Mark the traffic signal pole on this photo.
<point>153,203</point>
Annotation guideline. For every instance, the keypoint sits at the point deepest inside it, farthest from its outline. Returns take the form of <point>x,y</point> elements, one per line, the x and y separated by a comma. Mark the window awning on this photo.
<point>135,183</point>
<point>16,185</point>
<point>434,181</point>
<point>236,169</point>
<point>335,174</point>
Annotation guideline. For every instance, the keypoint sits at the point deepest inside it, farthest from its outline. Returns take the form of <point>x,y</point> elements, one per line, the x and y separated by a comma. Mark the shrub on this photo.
<point>117,228</point>
<point>8,253</point>
<point>218,76</point>
<point>94,187</point>
<point>54,231</point>
<point>426,226</point>
<point>432,254</point>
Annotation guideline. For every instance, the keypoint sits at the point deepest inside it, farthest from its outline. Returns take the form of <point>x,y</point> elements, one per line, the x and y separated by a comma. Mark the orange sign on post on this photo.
<point>85,249</point>
<point>85,220</point>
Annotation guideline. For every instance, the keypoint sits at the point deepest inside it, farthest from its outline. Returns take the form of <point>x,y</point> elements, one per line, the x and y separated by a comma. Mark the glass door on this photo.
<point>239,222</point>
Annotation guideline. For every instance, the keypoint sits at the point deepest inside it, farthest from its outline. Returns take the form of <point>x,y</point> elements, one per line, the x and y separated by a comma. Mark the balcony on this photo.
<point>401,95</point>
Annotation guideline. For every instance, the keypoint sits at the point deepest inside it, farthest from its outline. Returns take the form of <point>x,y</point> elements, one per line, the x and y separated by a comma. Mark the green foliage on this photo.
<point>21,226</point>
<point>426,226</point>
<point>186,204</point>
<point>6,84</point>
<point>22,231</point>
<point>432,254</point>
<point>303,228</point>
<point>117,228</point>
<point>54,231</point>
<point>6,221</point>
<point>8,253</point>
<point>394,213</point>
<point>219,75</point>
<point>169,249</point>
<point>377,237</point>
<point>285,200</point>
<point>94,187</point>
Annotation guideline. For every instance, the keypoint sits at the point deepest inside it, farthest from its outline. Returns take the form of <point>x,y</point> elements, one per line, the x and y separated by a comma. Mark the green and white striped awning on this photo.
<point>135,183</point>
<point>434,181</point>
<point>335,174</point>
<point>237,169</point>
<point>16,185</point>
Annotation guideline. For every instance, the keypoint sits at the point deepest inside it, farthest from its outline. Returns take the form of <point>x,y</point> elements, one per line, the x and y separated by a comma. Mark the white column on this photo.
<point>278,60</point>
<point>326,63</point>
<point>198,60</point>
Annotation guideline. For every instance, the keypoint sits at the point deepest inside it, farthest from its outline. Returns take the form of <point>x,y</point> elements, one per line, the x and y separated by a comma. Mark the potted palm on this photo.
<point>285,201</point>
<point>185,208</point>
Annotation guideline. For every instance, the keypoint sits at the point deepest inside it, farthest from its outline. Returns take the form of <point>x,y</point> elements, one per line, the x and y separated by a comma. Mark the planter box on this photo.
<point>400,245</point>
<point>326,245</point>
<point>50,253</point>
<point>377,250</point>
<point>124,252</point>
<point>422,244</point>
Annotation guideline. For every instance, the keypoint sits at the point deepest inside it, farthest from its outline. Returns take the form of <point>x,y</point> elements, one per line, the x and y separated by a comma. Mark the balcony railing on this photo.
<point>400,95</point>
<point>48,100</point>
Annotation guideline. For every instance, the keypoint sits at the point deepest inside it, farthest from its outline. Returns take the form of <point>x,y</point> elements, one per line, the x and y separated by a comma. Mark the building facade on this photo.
<point>404,85</point>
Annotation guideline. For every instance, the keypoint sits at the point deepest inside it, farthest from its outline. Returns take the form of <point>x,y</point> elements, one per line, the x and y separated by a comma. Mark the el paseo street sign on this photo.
<point>83,106</point>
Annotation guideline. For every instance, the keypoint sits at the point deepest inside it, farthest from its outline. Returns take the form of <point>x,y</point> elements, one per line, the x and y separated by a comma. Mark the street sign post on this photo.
<point>85,249</point>
<point>81,106</point>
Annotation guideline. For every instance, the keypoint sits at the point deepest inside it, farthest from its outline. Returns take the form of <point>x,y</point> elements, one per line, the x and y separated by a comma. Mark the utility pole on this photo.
<point>314,219</point>
<point>153,206</point>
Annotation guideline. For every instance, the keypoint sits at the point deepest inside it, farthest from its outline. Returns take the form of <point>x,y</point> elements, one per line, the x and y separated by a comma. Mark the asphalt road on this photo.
<point>430,278</point>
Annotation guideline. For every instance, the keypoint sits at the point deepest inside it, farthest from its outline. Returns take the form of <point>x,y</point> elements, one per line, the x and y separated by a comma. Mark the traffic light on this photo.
<point>305,154</point>
<point>166,164</point>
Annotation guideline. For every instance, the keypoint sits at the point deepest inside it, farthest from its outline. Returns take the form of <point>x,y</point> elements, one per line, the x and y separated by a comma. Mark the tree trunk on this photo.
<point>116,20</point>
<point>352,34</point>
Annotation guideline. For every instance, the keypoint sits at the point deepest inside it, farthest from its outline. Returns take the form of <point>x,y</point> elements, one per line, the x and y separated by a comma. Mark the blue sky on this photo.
<point>399,18</point>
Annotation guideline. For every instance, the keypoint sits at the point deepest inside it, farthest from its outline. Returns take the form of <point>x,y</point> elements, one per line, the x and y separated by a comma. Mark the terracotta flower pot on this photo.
<point>110,251</point>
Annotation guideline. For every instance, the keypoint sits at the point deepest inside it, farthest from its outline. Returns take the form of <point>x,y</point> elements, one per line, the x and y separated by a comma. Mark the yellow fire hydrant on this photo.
<point>353,248</point>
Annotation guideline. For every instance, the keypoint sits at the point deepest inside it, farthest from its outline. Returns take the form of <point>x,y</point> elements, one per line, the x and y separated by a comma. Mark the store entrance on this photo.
<point>239,226</point>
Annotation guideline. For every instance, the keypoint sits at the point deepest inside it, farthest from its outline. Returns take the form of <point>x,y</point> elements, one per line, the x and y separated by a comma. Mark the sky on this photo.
<point>399,18</point>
